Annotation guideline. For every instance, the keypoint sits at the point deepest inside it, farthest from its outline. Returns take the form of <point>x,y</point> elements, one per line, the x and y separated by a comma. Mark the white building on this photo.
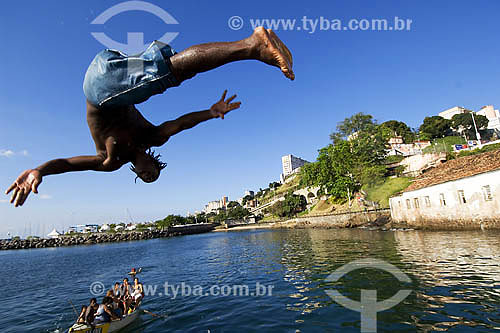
<point>214,206</point>
<point>462,193</point>
<point>291,164</point>
<point>488,111</point>
<point>493,116</point>
<point>397,147</point>
<point>449,113</point>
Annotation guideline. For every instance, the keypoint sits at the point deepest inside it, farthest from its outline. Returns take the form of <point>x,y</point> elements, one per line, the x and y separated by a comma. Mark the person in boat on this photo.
<point>115,83</point>
<point>138,291</point>
<point>120,294</point>
<point>126,289</point>
<point>91,311</point>
<point>81,317</point>
<point>126,297</point>
<point>117,293</point>
<point>115,305</point>
<point>117,290</point>
<point>105,312</point>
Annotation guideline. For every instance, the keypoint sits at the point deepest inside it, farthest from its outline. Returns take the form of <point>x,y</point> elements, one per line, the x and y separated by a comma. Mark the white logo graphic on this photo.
<point>235,22</point>
<point>97,288</point>
<point>368,305</point>
<point>135,40</point>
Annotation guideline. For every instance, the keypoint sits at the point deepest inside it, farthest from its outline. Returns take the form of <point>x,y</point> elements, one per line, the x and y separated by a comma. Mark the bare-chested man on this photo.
<point>115,83</point>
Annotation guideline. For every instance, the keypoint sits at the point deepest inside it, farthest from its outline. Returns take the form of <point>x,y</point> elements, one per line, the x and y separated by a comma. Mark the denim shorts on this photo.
<point>114,78</point>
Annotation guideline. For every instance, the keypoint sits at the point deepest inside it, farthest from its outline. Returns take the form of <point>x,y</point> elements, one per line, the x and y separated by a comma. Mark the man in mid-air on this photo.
<point>115,83</point>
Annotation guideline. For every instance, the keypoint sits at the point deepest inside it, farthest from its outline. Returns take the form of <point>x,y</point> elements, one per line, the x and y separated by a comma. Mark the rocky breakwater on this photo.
<point>99,238</point>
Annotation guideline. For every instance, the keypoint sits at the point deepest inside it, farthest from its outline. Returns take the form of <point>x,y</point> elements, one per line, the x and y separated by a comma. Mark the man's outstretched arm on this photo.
<point>30,179</point>
<point>218,110</point>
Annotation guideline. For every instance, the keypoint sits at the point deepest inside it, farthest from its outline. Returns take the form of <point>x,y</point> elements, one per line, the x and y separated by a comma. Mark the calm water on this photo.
<point>455,281</point>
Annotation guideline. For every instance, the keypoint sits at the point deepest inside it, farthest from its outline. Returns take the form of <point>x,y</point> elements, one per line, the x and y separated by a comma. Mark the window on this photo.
<point>461,197</point>
<point>408,204</point>
<point>442,200</point>
<point>399,202</point>
<point>416,202</point>
<point>487,193</point>
<point>427,201</point>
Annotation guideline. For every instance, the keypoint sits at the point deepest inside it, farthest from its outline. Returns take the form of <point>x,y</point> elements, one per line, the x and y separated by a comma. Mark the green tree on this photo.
<point>291,206</point>
<point>354,124</point>
<point>463,122</point>
<point>171,220</point>
<point>246,198</point>
<point>394,127</point>
<point>274,185</point>
<point>332,171</point>
<point>237,212</point>
<point>343,167</point>
<point>201,217</point>
<point>435,127</point>
<point>232,204</point>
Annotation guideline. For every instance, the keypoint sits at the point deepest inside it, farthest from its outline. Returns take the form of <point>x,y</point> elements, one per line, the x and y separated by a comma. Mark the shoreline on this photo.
<point>102,238</point>
<point>370,220</point>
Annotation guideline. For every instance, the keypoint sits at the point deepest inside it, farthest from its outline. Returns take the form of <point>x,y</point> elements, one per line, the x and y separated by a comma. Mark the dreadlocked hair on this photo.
<point>156,160</point>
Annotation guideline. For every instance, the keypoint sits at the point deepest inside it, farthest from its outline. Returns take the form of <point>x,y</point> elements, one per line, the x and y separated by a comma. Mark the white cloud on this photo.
<point>6,152</point>
<point>10,152</point>
<point>45,196</point>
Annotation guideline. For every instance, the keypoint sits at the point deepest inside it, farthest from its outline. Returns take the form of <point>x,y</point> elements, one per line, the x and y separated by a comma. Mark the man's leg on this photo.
<point>262,45</point>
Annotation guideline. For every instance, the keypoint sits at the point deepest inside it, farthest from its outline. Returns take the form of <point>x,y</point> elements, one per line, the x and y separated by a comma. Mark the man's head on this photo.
<point>147,166</point>
<point>93,301</point>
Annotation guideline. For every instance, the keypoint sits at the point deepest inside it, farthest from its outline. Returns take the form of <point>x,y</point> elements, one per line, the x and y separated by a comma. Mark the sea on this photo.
<point>262,280</point>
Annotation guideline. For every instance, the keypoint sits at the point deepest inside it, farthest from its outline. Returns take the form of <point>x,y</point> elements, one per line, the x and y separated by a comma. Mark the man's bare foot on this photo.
<point>273,51</point>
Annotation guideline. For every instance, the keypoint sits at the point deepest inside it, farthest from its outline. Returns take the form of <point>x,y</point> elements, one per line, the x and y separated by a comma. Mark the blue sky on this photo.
<point>449,57</point>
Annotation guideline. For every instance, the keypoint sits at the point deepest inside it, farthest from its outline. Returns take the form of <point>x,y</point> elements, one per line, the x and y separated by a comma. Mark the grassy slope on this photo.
<point>382,192</point>
<point>280,191</point>
<point>326,207</point>
<point>444,144</point>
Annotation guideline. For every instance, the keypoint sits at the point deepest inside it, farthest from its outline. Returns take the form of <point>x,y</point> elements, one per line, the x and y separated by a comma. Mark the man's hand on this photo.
<point>28,181</point>
<point>222,107</point>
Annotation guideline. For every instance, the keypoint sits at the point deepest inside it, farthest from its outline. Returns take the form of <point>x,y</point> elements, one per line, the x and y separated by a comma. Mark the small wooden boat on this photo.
<point>109,327</point>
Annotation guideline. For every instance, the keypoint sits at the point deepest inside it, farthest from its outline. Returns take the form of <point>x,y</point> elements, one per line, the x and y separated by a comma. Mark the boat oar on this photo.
<point>74,309</point>
<point>154,314</point>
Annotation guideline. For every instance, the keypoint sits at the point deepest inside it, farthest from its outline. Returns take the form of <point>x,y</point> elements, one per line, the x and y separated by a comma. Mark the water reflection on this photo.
<point>459,276</point>
<point>455,276</point>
